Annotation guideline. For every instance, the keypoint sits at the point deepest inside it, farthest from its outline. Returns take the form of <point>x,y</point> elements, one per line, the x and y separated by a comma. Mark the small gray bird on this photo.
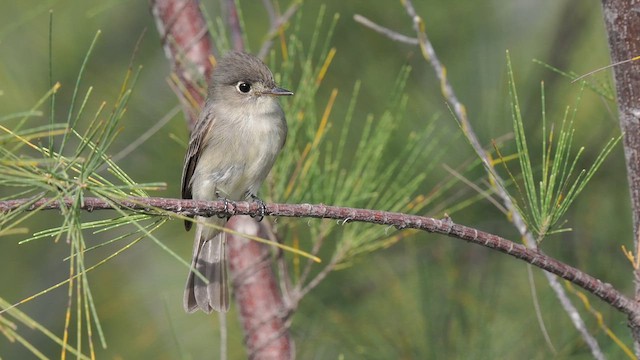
<point>232,148</point>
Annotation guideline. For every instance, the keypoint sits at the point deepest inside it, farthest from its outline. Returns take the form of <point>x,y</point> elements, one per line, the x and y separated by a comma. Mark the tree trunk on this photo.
<point>622,21</point>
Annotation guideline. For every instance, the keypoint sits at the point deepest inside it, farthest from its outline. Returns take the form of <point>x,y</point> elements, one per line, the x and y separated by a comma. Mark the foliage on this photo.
<point>33,162</point>
<point>544,202</point>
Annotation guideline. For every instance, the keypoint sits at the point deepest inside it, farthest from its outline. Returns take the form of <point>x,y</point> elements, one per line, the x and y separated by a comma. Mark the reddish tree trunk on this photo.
<point>256,291</point>
<point>187,45</point>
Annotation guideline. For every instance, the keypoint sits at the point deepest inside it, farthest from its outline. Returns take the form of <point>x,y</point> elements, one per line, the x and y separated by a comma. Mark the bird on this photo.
<point>232,148</point>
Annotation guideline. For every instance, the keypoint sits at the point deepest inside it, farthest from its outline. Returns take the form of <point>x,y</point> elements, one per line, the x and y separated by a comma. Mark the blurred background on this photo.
<point>427,296</point>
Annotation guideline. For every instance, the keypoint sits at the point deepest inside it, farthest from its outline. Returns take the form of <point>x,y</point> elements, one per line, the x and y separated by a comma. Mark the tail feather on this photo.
<point>210,261</point>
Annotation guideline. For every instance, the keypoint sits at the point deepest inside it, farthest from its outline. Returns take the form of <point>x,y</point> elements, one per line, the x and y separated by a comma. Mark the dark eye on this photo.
<point>243,87</point>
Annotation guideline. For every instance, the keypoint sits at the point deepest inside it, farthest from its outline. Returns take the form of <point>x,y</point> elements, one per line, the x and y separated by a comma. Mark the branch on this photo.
<point>277,22</point>
<point>395,36</point>
<point>233,21</point>
<point>262,315</point>
<point>606,292</point>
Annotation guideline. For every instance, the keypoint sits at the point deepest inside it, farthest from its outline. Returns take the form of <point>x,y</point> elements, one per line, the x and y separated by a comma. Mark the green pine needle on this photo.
<point>547,195</point>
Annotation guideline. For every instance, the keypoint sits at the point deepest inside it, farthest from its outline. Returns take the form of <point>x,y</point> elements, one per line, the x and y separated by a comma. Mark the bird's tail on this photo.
<point>209,262</point>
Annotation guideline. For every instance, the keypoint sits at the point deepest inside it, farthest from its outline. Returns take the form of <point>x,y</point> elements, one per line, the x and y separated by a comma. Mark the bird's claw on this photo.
<point>226,207</point>
<point>262,205</point>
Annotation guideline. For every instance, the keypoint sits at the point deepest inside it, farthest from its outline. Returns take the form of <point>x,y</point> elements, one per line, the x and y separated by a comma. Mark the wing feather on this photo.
<point>196,147</point>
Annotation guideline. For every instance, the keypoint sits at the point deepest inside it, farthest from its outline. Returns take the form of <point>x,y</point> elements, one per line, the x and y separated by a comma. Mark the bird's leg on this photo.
<point>261,204</point>
<point>226,205</point>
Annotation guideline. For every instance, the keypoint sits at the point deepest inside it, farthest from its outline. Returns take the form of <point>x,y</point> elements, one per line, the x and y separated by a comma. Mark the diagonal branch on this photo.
<point>277,23</point>
<point>393,35</point>
<point>606,292</point>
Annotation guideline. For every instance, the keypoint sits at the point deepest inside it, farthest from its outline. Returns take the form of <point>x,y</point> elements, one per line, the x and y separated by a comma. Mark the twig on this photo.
<point>276,24</point>
<point>271,11</point>
<point>395,36</point>
<point>234,25</point>
<point>604,291</point>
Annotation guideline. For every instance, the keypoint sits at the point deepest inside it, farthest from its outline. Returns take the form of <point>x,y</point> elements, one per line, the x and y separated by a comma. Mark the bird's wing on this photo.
<point>196,147</point>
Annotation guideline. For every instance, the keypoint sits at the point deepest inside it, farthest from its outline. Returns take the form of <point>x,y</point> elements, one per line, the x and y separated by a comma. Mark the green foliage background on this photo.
<point>427,296</point>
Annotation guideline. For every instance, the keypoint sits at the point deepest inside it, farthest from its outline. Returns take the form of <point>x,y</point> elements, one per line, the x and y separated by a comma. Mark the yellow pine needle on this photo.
<point>632,259</point>
<point>422,37</point>
<point>463,111</point>
<point>250,237</point>
<point>123,88</point>
<point>322,127</point>
<point>491,163</point>
<point>325,118</point>
<point>283,43</point>
<point>443,81</point>
<point>416,202</point>
<point>325,66</point>
<point>504,159</point>
<point>296,258</point>
<point>183,91</point>
<point>599,318</point>
<point>14,231</point>
<point>22,139</point>
<point>629,255</point>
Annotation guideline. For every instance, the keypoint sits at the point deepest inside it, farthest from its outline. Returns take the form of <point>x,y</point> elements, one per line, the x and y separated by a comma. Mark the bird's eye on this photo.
<point>243,87</point>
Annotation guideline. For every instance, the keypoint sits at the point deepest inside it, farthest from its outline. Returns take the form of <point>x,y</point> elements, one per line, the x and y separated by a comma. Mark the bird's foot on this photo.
<point>226,206</point>
<point>261,204</point>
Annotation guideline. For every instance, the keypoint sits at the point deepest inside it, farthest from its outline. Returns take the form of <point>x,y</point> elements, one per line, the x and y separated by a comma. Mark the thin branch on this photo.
<point>234,25</point>
<point>395,36</point>
<point>606,292</point>
<point>271,11</point>
<point>276,24</point>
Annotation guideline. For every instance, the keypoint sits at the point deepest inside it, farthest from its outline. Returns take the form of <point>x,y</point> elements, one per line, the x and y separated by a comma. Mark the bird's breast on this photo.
<point>239,154</point>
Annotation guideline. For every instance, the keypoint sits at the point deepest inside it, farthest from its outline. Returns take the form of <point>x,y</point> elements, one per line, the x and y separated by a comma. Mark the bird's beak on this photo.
<point>276,91</point>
